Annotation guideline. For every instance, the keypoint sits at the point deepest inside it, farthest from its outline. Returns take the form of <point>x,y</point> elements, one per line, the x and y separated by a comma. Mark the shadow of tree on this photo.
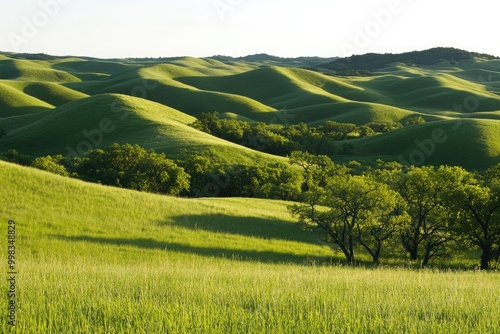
<point>247,226</point>
<point>241,255</point>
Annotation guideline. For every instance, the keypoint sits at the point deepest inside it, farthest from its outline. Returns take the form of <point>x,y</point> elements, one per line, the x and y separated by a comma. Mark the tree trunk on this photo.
<point>426,259</point>
<point>351,248</point>
<point>376,255</point>
<point>411,246</point>
<point>486,257</point>
<point>413,253</point>
<point>348,256</point>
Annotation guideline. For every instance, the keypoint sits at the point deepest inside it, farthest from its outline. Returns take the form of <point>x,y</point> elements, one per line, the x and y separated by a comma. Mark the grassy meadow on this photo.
<point>104,260</point>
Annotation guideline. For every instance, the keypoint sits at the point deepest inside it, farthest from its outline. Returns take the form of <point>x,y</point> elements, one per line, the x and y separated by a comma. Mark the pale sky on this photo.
<point>286,28</point>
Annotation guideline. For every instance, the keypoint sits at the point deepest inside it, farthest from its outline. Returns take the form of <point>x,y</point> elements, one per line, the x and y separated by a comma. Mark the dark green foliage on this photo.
<point>283,140</point>
<point>3,133</point>
<point>272,181</point>
<point>16,157</point>
<point>415,120</point>
<point>34,56</point>
<point>132,167</point>
<point>373,61</point>
<point>54,164</point>
<point>384,126</point>
<point>354,73</point>
<point>338,131</point>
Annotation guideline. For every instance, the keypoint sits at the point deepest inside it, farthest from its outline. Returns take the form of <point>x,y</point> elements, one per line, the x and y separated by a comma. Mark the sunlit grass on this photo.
<point>197,295</point>
<point>95,259</point>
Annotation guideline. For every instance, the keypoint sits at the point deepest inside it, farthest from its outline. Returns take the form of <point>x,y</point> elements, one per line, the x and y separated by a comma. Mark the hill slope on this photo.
<point>63,218</point>
<point>471,143</point>
<point>101,120</point>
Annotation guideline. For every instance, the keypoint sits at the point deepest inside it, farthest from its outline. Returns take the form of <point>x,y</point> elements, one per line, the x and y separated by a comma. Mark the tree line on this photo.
<point>352,207</point>
<point>328,138</point>
<point>425,209</point>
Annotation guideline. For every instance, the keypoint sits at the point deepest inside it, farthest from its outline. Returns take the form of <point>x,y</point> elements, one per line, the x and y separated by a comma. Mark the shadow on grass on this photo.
<point>237,254</point>
<point>245,226</point>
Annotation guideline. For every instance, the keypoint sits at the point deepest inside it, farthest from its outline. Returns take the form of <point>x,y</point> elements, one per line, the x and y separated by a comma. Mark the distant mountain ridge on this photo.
<point>373,61</point>
<point>368,61</point>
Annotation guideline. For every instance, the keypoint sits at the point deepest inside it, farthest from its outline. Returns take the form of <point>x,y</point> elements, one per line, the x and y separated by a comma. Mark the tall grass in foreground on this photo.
<point>207,295</point>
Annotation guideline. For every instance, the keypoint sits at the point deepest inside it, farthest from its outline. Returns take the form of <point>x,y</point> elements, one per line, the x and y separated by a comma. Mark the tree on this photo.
<point>273,181</point>
<point>208,122</point>
<point>132,167</point>
<point>424,191</point>
<point>337,131</point>
<point>384,126</point>
<point>16,157</point>
<point>414,121</point>
<point>477,215</point>
<point>53,164</point>
<point>349,210</point>
<point>317,168</point>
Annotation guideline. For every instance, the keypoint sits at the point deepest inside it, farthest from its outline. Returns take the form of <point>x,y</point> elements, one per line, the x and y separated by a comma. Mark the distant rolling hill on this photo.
<point>427,57</point>
<point>46,103</point>
<point>101,120</point>
<point>471,143</point>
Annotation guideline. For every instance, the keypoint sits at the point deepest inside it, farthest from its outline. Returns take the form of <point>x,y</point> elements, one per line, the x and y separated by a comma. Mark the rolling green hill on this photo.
<point>14,103</point>
<point>471,143</point>
<point>426,57</point>
<point>65,96</point>
<point>72,215</point>
<point>101,120</point>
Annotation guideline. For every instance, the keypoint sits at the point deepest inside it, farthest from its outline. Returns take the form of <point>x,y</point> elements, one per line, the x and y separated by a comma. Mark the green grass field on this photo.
<point>104,260</point>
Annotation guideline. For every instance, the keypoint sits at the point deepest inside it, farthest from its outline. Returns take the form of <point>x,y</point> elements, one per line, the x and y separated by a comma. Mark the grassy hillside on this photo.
<point>15,103</point>
<point>69,214</point>
<point>101,120</point>
<point>124,261</point>
<point>471,143</point>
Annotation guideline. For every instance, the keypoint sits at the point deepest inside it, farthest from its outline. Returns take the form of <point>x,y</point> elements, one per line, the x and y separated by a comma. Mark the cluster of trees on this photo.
<point>425,209</point>
<point>124,166</point>
<point>354,73</point>
<point>283,140</point>
<point>210,178</point>
<point>133,167</point>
